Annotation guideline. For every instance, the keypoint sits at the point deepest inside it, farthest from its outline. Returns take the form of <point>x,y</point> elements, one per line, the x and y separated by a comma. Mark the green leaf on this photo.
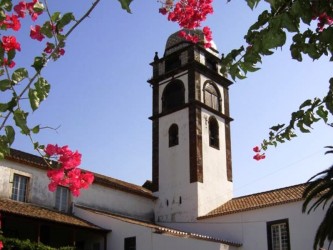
<point>20,119</point>
<point>40,93</point>
<point>4,107</point>
<point>296,53</point>
<point>11,54</point>
<point>327,35</point>
<point>35,129</point>
<point>300,125</point>
<point>33,98</point>
<point>252,3</point>
<point>38,7</point>
<point>64,20</point>
<point>42,88</point>
<point>39,63</point>
<point>289,22</point>
<point>56,17</point>
<point>10,133</point>
<point>322,113</point>
<point>2,15</point>
<point>276,128</point>
<point>47,29</point>
<point>5,84</point>
<point>308,118</point>
<point>19,75</point>
<point>6,4</point>
<point>4,147</point>
<point>306,103</point>
<point>125,4</point>
<point>302,9</point>
<point>273,39</point>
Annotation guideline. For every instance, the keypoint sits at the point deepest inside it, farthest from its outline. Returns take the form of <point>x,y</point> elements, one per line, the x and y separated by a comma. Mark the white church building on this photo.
<point>189,203</point>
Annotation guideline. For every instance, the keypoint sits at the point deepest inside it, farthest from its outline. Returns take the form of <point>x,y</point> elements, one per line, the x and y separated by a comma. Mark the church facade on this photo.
<point>189,203</point>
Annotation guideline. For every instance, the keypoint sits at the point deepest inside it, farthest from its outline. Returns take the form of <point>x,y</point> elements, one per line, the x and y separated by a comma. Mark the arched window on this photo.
<point>212,96</point>
<point>173,135</point>
<point>213,133</point>
<point>173,95</point>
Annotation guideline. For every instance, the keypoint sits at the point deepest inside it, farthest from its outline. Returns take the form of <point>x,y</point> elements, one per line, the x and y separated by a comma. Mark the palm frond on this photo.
<point>320,192</point>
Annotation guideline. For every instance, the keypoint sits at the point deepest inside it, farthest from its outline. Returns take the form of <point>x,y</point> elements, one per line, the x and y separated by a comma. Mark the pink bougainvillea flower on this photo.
<point>86,179</point>
<point>259,157</point>
<point>51,149</point>
<point>61,52</point>
<point>256,149</point>
<point>21,9</point>
<point>189,14</point>
<point>163,11</point>
<point>10,64</point>
<point>35,33</point>
<point>30,7</point>
<point>1,245</point>
<point>67,174</point>
<point>10,43</point>
<point>11,22</point>
<point>49,48</point>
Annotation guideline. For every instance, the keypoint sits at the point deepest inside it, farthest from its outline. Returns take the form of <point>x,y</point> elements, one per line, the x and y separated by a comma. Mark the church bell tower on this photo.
<point>192,171</point>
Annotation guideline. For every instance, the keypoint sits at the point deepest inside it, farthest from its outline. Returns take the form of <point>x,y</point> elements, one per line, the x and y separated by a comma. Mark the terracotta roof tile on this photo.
<point>159,229</point>
<point>259,200</point>
<point>37,212</point>
<point>36,161</point>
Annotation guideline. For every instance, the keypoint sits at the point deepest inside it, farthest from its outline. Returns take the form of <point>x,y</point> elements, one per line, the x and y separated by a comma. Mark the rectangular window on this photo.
<point>278,235</point>
<point>62,199</point>
<point>19,190</point>
<point>130,243</point>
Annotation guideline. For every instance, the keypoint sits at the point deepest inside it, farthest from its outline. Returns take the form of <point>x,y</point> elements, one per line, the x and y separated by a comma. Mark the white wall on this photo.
<point>117,201</point>
<point>37,187</point>
<point>146,239</point>
<point>174,172</point>
<point>95,196</point>
<point>215,189</point>
<point>249,228</point>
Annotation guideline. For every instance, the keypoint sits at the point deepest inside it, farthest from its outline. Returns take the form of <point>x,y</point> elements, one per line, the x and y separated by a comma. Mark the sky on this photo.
<point>100,100</point>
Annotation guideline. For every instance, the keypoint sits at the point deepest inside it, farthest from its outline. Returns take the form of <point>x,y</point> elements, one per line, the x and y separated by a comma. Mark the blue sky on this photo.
<point>101,101</point>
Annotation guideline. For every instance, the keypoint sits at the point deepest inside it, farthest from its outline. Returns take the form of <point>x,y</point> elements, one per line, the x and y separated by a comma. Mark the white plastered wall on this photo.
<point>146,238</point>
<point>96,196</point>
<point>215,189</point>
<point>249,227</point>
<point>37,186</point>
<point>177,196</point>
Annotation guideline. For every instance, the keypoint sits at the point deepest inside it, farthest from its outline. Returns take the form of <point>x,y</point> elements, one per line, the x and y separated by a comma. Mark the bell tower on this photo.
<point>192,171</point>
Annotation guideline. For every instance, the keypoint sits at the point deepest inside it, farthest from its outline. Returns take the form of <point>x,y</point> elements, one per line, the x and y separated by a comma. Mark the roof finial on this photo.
<point>156,57</point>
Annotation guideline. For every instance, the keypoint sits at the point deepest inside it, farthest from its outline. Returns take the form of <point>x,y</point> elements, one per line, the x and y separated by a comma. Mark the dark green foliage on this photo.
<point>17,244</point>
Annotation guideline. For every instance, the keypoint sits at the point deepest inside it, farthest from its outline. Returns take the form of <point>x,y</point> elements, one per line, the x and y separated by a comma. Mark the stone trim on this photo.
<point>228,150</point>
<point>195,128</point>
<point>155,142</point>
<point>197,104</point>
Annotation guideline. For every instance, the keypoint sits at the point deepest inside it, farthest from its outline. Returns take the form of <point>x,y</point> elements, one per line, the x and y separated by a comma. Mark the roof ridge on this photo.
<point>270,191</point>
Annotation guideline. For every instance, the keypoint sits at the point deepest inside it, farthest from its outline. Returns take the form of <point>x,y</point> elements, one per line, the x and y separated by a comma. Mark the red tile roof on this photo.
<point>36,161</point>
<point>37,212</point>
<point>159,229</point>
<point>259,200</point>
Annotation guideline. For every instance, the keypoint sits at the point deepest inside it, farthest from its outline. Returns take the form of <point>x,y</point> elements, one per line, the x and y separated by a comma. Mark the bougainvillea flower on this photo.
<point>10,43</point>
<point>35,33</point>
